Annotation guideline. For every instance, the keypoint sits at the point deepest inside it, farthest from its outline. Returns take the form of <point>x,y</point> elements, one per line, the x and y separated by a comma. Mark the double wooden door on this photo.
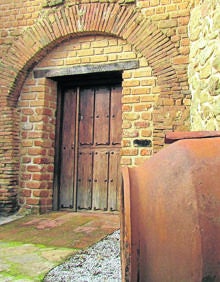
<point>90,148</point>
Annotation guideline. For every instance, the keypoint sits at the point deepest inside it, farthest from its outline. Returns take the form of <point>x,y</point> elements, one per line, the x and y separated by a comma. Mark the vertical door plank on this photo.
<point>114,180</point>
<point>68,149</point>
<point>84,181</point>
<point>100,180</point>
<point>86,113</point>
<point>56,184</point>
<point>102,111</point>
<point>116,116</point>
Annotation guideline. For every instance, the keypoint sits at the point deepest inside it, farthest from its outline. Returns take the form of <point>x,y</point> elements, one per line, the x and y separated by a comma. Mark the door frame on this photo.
<point>65,82</point>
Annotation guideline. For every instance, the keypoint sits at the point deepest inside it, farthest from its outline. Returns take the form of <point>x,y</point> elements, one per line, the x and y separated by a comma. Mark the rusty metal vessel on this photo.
<point>170,213</point>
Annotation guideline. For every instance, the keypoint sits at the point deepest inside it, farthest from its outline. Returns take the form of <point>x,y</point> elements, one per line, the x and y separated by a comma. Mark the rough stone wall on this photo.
<point>204,65</point>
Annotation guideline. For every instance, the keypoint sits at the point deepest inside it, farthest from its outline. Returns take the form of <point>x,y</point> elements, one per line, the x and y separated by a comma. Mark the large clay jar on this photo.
<point>170,214</point>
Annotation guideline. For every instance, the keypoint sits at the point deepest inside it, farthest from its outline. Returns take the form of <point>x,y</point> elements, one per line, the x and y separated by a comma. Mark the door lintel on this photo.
<point>85,69</point>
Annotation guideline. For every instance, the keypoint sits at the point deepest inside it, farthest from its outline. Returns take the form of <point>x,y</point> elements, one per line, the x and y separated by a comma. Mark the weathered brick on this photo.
<point>43,111</point>
<point>34,185</point>
<point>36,151</point>
<point>142,107</point>
<point>131,83</point>
<point>140,91</point>
<point>127,56</point>
<point>168,24</point>
<point>146,132</point>
<point>146,152</point>
<point>182,30</point>
<point>126,91</point>
<point>32,201</point>
<point>85,52</point>
<point>149,12</point>
<point>128,99</point>
<point>126,108</point>
<point>143,72</point>
<point>148,98</point>
<point>148,82</point>
<point>172,7</point>
<point>131,116</point>
<point>113,49</point>
<point>35,168</point>
<point>146,115</point>
<point>26,159</point>
<point>29,96</point>
<point>41,193</point>
<point>43,143</point>
<point>184,50</point>
<point>183,20</point>
<point>99,43</point>
<point>160,10</point>
<point>126,143</point>
<point>161,62</point>
<point>181,60</point>
<point>98,59</point>
<point>130,133</point>
<point>141,124</point>
<point>25,176</point>
<point>160,16</point>
<point>73,61</point>
<point>154,3</point>
<point>27,143</point>
<point>26,192</point>
<point>126,124</point>
<point>41,160</point>
<point>41,177</point>
<point>28,111</point>
<point>129,151</point>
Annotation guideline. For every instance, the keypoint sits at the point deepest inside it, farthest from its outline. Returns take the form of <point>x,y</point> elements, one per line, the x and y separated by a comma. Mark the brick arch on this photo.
<point>124,22</point>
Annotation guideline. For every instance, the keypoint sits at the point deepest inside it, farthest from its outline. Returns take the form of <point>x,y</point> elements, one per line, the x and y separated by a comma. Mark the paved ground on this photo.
<point>30,246</point>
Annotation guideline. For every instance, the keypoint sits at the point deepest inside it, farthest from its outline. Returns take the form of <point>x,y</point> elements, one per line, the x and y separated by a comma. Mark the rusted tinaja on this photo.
<point>170,213</point>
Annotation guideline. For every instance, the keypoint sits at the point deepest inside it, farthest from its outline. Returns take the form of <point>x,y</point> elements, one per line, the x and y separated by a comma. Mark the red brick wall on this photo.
<point>156,96</point>
<point>37,106</point>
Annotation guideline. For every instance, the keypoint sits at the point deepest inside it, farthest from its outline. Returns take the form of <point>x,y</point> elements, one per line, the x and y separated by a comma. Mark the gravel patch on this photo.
<point>99,263</point>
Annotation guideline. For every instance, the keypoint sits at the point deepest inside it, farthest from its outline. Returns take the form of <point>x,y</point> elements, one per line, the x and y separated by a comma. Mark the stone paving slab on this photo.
<point>31,246</point>
<point>28,262</point>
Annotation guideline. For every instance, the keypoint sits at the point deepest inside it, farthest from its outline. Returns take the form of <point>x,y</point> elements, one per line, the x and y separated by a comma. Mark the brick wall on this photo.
<point>37,106</point>
<point>156,96</point>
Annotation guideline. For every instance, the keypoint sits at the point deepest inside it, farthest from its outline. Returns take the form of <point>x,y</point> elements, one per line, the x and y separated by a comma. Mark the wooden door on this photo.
<point>90,173</point>
<point>68,149</point>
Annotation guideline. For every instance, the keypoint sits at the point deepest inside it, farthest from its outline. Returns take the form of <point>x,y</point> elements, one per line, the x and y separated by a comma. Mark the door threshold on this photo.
<point>88,211</point>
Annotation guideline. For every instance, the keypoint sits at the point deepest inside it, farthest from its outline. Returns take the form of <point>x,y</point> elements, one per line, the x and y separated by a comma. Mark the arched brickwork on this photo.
<point>125,22</point>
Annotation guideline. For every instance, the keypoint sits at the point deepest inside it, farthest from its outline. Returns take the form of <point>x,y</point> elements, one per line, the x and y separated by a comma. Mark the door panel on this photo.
<point>116,114</point>
<point>100,180</point>
<point>68,149</point>
<point>84,181</point>
<point>86,114</point>
<point>114,180</point>
<point>101,127</point>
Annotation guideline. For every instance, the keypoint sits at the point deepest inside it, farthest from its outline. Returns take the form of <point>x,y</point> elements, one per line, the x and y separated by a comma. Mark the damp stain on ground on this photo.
<point>33,245</point>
